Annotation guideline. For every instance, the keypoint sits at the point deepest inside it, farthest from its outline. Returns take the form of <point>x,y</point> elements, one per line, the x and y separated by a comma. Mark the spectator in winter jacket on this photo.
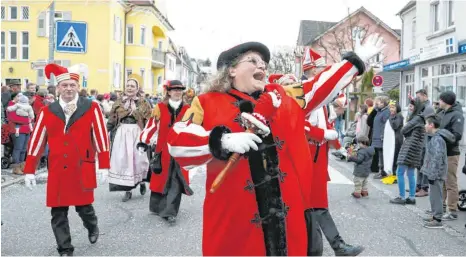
<point>409,157</point>
<point>383,113</point>
<point>435,168</point>
<point>452,119</point>
<point>362,166</point>
<point>362,129</point>
<point>23,109</point>
<point>396,123</point>
<point>20,142</point>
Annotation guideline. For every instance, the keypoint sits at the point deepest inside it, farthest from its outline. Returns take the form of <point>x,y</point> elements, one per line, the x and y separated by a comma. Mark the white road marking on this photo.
<point>337,178</point>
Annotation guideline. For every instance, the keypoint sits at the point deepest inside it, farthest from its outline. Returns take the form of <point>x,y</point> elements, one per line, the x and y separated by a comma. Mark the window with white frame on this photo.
<point>128,72</point>
<point>117,30</point>
<point>450,14</point>
<point>13,46</point>
<point>58,17</point>
<point>449,45</point>
<point>3,45</point>
<point>24,45</point>
<point>435,16</point>
<point>3,13</point>
<point>116,75</point>
<point>13,13</point>
<point>413,33</point>
<point>160,45</point>
<point>129,34</point>
<point>444,77</point>
<point>159,81</point>
<point>143,73</point>
<point>24,13</point>
<point>143,35</point>
<point>409,87</point>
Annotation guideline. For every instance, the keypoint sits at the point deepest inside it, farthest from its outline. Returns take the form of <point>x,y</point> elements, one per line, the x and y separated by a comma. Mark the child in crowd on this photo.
<point>362,166</point>
<point>435,168</point>
<point>22,108</point>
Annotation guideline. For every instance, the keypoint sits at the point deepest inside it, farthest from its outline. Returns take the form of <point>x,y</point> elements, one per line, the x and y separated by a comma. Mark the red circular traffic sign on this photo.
<point>377,80</point>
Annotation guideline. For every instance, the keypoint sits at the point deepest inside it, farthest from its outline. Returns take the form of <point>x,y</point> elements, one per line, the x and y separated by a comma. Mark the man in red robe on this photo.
<point>322,136</point>
<point>75,130</point>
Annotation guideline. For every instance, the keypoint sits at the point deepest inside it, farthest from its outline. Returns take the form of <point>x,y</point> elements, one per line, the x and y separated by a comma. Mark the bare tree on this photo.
<point>341,39</point>
<point>282,61</point>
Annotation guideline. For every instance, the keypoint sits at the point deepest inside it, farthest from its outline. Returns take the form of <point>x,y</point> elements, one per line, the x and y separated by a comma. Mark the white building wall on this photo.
<point>426,40</point>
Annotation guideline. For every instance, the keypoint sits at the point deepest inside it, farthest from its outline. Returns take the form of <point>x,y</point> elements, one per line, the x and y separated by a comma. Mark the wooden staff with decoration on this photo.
<point>255,122</point>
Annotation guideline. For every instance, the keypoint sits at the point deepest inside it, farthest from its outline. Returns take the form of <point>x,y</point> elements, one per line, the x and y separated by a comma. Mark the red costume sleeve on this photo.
<point>151,127</point>
<point>313,132</point>
<point>36,145</point>
<point>188,141</point>
<point>100,137</point>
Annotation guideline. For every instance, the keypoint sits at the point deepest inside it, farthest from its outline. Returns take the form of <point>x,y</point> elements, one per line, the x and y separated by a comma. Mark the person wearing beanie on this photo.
<point>452,119</point>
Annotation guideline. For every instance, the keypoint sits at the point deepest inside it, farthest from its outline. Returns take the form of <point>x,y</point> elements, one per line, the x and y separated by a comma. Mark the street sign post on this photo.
<point>71,37</point>
<point>377,81</point>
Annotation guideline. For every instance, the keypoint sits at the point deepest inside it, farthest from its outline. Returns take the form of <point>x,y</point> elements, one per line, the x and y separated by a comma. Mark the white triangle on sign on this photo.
<point>71,39</point>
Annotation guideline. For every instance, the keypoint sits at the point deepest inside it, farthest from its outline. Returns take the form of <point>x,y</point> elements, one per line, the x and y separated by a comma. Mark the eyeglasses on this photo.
<point>255,61</point>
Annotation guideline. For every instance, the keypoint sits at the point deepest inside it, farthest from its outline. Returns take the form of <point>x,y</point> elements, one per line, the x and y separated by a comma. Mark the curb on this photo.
<point>40,174</point>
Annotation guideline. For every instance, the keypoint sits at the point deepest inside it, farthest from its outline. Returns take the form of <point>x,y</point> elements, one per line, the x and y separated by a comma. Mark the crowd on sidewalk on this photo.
<point>424,146</point>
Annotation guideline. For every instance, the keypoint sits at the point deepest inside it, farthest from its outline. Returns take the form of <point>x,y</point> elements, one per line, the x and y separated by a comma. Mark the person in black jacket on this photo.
<point>452,119</point>
<point>409,157</point>
<point>362,166</point>
<point>370,123</point>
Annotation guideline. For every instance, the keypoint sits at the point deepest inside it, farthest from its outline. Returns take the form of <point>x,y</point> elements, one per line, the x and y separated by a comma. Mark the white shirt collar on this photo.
<point>63,103</point>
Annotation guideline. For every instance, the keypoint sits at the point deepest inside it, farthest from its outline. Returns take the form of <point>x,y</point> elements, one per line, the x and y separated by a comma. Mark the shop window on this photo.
<point>461,89</point>
<point>425,72</point>
<point>461,66</point>
<point>440,85</point>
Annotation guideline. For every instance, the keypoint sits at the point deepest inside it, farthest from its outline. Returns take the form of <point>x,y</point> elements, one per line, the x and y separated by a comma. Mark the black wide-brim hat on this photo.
<point>174,84</point>
<point>227,57</point>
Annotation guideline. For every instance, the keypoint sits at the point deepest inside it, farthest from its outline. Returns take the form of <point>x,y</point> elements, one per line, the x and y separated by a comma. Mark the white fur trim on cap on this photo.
<point>275,100</point>
<point>262,128</point>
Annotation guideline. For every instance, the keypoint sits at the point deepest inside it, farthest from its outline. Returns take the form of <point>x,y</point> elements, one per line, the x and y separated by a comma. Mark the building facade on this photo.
<point>433,50</point>
<point>332,39</point>
<point>123,37</point>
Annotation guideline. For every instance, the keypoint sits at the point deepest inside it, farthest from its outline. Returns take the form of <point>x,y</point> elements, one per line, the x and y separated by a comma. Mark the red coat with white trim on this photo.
<point>72,152</point>
<point>232,223</point>
<point>159,122</point>
<point>315,134</point>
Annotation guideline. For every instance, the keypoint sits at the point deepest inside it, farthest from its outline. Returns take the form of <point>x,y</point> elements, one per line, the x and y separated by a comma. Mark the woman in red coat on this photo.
<point>259,208</point>
<point>173,181</point>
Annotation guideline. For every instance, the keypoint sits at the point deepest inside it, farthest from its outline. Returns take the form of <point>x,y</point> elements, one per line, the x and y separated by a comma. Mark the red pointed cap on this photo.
<point>61,73</point>
<point>312,59</point>
<point>273,78</point>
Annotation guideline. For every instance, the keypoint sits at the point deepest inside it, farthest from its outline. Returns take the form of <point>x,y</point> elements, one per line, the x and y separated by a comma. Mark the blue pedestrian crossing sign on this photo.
<point>71,37</point>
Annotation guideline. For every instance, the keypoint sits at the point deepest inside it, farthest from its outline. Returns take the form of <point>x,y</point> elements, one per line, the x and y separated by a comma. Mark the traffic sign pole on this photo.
<point>51,35</point>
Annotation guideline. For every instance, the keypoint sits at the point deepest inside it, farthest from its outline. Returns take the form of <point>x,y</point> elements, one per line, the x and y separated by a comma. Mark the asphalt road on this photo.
<point>129,228</point>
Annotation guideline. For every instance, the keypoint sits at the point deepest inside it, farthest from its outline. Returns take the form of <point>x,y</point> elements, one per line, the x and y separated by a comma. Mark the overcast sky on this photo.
<point>207,27</point>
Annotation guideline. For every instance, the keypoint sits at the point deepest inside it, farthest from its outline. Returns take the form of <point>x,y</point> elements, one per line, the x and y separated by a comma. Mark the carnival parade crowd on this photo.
<point>265,145</point>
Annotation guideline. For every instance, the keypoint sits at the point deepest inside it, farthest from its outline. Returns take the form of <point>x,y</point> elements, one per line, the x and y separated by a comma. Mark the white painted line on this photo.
<point>337,178</point>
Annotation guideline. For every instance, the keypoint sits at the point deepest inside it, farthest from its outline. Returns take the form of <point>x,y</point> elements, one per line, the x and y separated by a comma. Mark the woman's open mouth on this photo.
<point>259,76</point>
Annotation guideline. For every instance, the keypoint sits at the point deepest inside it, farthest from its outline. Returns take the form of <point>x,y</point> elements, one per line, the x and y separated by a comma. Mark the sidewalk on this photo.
<point>8,178</point>
<point>455,228</point>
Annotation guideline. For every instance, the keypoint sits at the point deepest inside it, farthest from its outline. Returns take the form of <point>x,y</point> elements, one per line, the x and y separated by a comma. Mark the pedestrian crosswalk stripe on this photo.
<point>337,178</point>
<point>71,39</point>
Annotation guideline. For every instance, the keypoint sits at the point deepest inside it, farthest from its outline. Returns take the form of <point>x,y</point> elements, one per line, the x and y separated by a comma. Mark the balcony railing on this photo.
<point>158,57</point>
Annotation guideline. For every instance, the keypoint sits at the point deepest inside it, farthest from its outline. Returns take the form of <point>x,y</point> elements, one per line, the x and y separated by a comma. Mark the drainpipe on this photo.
<point>401,57</point>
